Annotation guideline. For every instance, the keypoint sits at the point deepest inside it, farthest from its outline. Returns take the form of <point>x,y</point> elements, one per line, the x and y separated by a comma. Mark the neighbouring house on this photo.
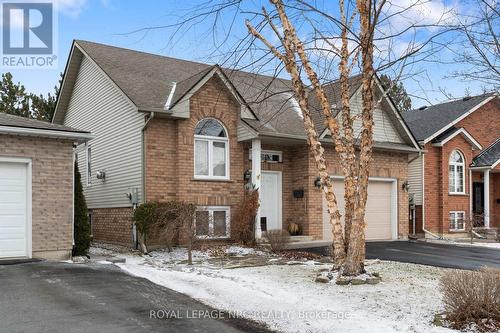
<point>457,178</point>
<point>170,129</point>
<point>36,188</point>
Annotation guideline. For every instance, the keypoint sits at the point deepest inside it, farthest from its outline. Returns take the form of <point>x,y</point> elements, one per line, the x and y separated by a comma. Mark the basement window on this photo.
<point>212,222</point>
<point>457,221</point>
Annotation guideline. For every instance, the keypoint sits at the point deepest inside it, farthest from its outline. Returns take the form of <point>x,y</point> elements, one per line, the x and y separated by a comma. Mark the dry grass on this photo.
<point>472,298</point>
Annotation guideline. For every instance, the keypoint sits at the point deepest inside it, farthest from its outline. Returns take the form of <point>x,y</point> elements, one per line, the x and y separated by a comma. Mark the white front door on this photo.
<point>270,199</point>
<point>13,210</point>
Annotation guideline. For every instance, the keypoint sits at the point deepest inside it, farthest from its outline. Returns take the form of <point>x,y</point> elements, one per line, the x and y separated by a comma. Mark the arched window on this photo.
<point>456,173</point>
<point>211,150</point>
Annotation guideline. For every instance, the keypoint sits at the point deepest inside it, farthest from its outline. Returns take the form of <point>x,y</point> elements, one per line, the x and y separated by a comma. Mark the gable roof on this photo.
<point>489,157</point>
<point>11,124</point>
<point>452,132</point>
<point>434,120</point>
<point>146,80</point>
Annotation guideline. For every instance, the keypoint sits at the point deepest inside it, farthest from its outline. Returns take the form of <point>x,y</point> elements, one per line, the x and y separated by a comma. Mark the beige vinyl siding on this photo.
<point>383,128</point>
<point>98,106</point>
<point>415,178</point>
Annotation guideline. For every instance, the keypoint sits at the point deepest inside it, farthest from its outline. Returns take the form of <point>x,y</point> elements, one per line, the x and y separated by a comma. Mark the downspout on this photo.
<point>143,169</point>
<point>73,207</point>
<point>423,200</point>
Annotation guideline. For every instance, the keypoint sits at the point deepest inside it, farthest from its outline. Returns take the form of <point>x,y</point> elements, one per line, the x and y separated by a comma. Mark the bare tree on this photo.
<point>315,45</point>
<point>479,48</point>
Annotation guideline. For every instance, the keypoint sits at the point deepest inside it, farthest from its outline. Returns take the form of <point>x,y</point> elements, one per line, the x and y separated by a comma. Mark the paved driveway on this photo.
<point>60,297</point>
<point>440,255</point>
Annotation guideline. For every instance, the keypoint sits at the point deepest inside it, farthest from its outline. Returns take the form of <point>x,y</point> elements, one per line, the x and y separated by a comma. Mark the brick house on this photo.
<point>36,188</point>
<point>173,129</point>
<point>457,179</point>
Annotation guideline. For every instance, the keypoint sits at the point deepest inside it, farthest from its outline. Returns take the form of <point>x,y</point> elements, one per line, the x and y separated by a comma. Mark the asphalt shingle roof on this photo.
<point>22,122</point>
<point>147,80</point>
<point>488,156</point>
<point>425,122</point>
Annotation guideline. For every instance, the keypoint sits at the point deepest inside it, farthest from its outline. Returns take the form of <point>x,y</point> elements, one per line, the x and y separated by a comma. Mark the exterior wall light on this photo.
<point>317,182</point>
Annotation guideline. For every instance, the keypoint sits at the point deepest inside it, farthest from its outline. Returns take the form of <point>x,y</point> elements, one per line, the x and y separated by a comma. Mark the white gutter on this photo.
<point>78,136</point>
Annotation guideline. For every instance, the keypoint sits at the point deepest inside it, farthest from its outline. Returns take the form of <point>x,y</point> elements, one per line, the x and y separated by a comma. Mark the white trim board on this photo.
<point>467,136</point>
<point>433,136</point>
<point>29,198</point>
<point>77,136</point>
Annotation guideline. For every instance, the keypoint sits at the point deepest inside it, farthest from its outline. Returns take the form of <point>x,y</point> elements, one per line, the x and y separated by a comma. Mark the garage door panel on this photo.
<point>378,210</point>
<point>13,210</point>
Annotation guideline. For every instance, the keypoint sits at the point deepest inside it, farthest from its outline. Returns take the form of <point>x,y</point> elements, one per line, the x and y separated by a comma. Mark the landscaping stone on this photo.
<point>376,274</point>
<point>324,269</point>
<point>373,280</point>
<point>322,279</point>
<point>358,281</point>
<point>343,281</point>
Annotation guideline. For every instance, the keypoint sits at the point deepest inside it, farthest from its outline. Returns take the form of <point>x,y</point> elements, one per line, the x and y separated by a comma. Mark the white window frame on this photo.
<point>455,166</point>
<point>88,166</point>
<point>455,219</point>
<point>210,146</point>
<point>268,152</point>
<point>211,210</point>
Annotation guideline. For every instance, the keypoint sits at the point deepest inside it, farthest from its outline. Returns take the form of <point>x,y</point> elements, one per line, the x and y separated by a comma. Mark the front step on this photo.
<point>490,233</point>
<point>292,239</point>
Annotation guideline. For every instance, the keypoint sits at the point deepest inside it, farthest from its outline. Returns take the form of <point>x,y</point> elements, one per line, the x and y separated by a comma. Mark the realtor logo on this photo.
<point>28,34</point>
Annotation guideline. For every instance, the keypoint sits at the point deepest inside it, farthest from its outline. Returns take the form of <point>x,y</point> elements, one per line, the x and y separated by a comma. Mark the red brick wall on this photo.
<point>385,164</point>
<point>160,140</point>
<point>170,152</point>
<point>112,225</point>
<point>438,201</point>
<point>52,186</point>
<point>483,123</point>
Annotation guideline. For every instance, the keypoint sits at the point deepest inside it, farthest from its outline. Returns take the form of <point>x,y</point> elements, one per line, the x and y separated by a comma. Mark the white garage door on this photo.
<point>13,210</point>
<point>378,210</point>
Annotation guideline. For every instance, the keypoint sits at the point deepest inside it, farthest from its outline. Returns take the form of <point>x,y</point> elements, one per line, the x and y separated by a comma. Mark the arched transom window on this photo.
<point>211,150</point>
<point>456,173</point>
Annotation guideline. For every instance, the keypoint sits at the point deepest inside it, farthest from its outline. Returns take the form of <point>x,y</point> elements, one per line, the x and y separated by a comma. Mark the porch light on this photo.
<point>247,175</point>
<point>317,182</point>
<point>405,185</point>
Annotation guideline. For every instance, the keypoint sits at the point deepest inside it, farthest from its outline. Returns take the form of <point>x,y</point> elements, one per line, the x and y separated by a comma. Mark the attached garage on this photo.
<point>381,209</point>
<point>36,188</point>
<point>15,208</point>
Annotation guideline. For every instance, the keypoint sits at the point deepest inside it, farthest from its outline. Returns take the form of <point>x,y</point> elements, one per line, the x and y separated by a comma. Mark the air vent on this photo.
<point>422,107</point>
<point>466,98</point>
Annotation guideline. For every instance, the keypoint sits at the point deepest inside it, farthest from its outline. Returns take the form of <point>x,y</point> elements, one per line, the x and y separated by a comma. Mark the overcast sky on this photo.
<point>110,21</point>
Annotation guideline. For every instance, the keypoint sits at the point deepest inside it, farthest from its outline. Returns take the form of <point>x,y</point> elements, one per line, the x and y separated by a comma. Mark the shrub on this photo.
<point>81,219</point>
<point>472,297</point>
<point>243,221</point>
<point>173,216</point>
<point>144,217</point>
<point>277,239</point>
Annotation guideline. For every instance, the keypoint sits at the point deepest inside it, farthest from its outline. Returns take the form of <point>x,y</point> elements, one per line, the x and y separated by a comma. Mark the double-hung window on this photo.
<point>456,173</point>
<point>212,222</point>
<point>457,221</point>
<point>211,150</point>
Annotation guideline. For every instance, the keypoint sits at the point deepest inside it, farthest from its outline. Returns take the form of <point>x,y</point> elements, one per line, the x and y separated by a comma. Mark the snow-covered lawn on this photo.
<point>286,298</point>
